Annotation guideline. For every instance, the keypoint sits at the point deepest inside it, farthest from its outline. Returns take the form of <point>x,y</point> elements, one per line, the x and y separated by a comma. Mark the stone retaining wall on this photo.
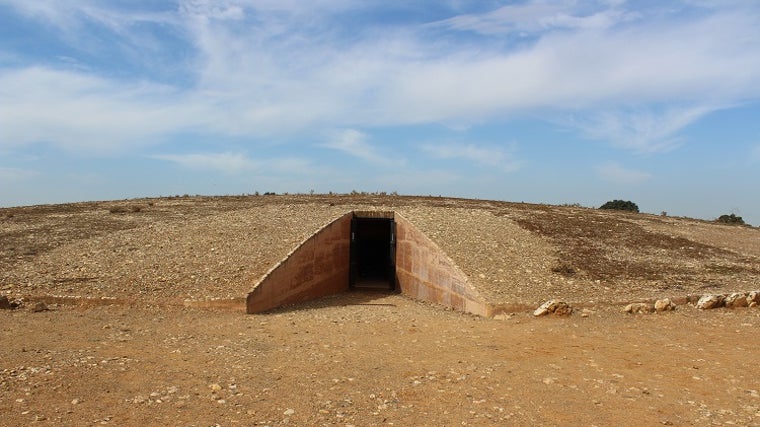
<point>425,272</point>
<point>320,267</point>
<point>317,268</point>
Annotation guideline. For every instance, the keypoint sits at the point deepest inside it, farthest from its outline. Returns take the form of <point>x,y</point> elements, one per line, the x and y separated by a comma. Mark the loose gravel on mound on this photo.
<point>201,248</point>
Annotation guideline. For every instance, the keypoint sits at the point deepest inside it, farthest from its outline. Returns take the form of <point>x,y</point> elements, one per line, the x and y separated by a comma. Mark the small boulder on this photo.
<point>563,309</point>
<point>753,299</point>
<point>639,307</point>
<point>558,307</point>
<point>736,299</point>
<point>5,304</point>
<point>709,301</point>
<point>664,304</point>
<point>38,307</point>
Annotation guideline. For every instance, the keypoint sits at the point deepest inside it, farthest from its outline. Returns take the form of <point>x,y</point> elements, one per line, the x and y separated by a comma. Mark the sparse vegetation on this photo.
<point>620,205</point>
<point>564,269</point>
<point>125,209</point>
<point>730,219</point>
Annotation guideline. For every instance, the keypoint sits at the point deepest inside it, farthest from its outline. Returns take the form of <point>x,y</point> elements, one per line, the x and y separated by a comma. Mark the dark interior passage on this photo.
<point>373,253</point>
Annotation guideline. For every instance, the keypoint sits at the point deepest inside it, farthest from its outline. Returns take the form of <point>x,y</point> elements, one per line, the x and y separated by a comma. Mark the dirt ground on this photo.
<point>373,359</point>
<point>140,331</point>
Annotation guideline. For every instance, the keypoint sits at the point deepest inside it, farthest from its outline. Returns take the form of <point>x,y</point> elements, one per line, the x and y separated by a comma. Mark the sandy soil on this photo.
<point>152,329</point>
<point>371,359</point>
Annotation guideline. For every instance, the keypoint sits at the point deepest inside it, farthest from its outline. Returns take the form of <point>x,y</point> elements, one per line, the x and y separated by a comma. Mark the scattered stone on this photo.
<point>586,312</point>
<point>709,301</point>
<point>503,316</point>
<point>289,412</point>
<point>563,309</point>
<point>664,304</point>
<point>215,387</point>
<point>753,299</point>
<point>736,299</point>
<point>38,307</point>
<point>639,307</point>
<point>557,307</point>
<point>5,304</point>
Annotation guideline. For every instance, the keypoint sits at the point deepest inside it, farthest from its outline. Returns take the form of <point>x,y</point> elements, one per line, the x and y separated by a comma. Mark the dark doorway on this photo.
<point>373,253</point>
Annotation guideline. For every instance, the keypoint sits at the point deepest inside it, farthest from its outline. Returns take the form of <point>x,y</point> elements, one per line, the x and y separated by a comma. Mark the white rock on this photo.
<point>546,308</point>
<point>553,306</point>
<point>289,412</point>
<point>709,301</point>
<point>664,304</point>
<point>736,299</point>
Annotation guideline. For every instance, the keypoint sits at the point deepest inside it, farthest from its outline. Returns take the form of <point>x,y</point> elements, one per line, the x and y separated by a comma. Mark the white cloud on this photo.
<point>78,111</point>
<point>262,69</point>
<point>613,172</point>
<point>488,156</point>
<point>354,143</point>
<point>220,162</point>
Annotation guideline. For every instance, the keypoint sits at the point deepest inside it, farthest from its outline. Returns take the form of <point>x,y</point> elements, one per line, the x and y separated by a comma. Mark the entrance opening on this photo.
<point>373,253</point>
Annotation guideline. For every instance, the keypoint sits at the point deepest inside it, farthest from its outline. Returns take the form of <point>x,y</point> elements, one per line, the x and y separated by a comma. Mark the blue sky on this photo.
<point>537,101</point>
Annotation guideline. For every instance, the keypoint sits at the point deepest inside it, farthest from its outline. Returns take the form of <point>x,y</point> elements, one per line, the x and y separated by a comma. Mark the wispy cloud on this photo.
<point>80,111</point>
<point>219,162</point>
<point>534,16</point>
<point>644,131</point>
<point>617,174</point>
<point>486,156</point>
<point>262,69</point>
<point>354,143</point>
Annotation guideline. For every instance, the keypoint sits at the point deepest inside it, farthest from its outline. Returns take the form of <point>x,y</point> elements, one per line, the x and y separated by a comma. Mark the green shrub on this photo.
<point>621,205</point>
<point>730,219</point>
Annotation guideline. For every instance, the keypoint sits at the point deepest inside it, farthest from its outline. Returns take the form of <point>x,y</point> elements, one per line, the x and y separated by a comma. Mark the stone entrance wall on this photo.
<point>425,272</point>
<point>320,267</point>
<point>317,268</point>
